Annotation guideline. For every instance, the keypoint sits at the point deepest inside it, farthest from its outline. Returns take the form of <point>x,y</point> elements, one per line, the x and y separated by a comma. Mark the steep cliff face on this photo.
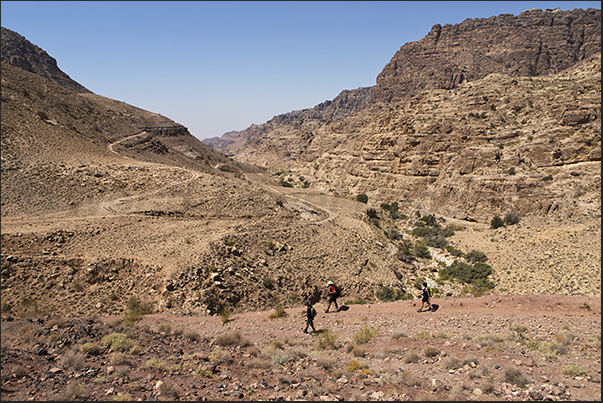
<point>19,52</point>
<point>532,44</point>
<point>466,123</point>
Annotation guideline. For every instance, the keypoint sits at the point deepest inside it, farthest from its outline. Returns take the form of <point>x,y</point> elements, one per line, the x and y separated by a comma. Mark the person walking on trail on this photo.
<point>310,314</point>
<point>425,298</point>
<point>332,295</point>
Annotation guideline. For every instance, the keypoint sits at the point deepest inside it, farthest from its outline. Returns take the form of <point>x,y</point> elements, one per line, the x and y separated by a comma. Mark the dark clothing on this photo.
<point>309,317</point>
<point>425,295</point>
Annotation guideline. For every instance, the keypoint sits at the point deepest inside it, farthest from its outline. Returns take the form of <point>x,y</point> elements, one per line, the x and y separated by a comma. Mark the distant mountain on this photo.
<point>450,116</point>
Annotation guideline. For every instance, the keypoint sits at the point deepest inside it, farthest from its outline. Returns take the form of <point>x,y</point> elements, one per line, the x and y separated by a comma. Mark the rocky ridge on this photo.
<point>469,133</point>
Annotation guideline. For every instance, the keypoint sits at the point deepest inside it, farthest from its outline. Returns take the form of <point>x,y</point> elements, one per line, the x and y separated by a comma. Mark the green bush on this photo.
<point>362,198</point>
<point>389,294</point>
<point>476,256</point>
<point>497,222</point>
<point>476,274</point>
<point>430,220</point>
<point>422,251</point>
<point>286,184</point>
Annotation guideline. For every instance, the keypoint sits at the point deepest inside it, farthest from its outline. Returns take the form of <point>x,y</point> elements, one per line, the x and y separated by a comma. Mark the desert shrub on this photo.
<point>358,300</point>
<point>120,359</point>
<point>511,218</point>
<point>285,183</point>
<point>225,311</point>
<point>547,178</point>
<point>268,282</point>
<point>279,312</point>
<point>476,275</point>
<point>73,391</point>
<point>425,335</point>
<point>405,251</point>
<point>365,335</point>
<point>136,310</point>
<point>121,397</point>
<point>165,328</point>
<point>430,220</point>
<point>518,331</point>
<point>356,365</point>
<point>515,377</point>
<point>438,241</point>
<point>452,363</point>
<point>372,213</point>
<point>90,348</point>
<point>327,340</point>
<point>232,339</point>
<point>389,294</point>
<point>117,342</point>
<point>496,222</point>
<point>170,390</point>
<point>430,351</point>
<point>326,361</point>
<point>72,360</point>
<point>454,251</point>
<point>394,235</point>
<point>411,357</point>
<point>399,335</point>
<point>42,115</point>
<point>204,371</point>
<point>358,351</point>
<point>134,304</point>
<point>281,358</point>
<point>421,251</point>
<point>573,370</point>
<point>406,378</point>
<point>362,198</point>
<point>220,356</point>
<point>476,256</point>
<point>190,334</point>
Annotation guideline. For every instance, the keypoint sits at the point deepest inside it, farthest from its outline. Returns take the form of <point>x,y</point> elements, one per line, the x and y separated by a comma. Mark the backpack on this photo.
<point>337,291</point>
<point>313,312</point>
<point>429,292</point>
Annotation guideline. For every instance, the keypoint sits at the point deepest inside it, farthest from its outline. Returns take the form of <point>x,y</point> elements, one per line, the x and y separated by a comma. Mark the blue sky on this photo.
<point>221,66</point>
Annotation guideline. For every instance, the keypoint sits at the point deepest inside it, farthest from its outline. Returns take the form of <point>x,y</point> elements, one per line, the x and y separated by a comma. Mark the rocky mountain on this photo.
<point>102,201</point>
<point>466,123</point>
<point>19,52</point>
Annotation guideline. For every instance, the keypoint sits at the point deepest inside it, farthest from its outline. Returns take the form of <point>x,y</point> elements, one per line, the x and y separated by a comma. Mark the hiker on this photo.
<point>425,298</point>
<point>332,295</point>
<point>310,314</point>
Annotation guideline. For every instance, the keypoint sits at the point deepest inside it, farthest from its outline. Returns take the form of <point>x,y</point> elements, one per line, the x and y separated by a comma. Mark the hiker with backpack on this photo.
<point>310,315</point>
<point>333,293</point>
<point>426,298</point>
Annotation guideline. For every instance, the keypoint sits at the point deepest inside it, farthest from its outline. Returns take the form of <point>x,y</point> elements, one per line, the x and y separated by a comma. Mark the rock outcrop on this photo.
<point>466,123</point>
<point>535,43</point>
<point>19,52</point>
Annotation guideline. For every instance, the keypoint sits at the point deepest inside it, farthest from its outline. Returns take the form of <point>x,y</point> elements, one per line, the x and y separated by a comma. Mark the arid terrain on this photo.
<point>521,347</point>
<point>138,263</point>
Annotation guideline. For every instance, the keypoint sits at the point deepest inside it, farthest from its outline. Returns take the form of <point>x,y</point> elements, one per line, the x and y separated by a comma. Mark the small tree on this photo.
<point>362,198</point>
<point>497,222</point>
